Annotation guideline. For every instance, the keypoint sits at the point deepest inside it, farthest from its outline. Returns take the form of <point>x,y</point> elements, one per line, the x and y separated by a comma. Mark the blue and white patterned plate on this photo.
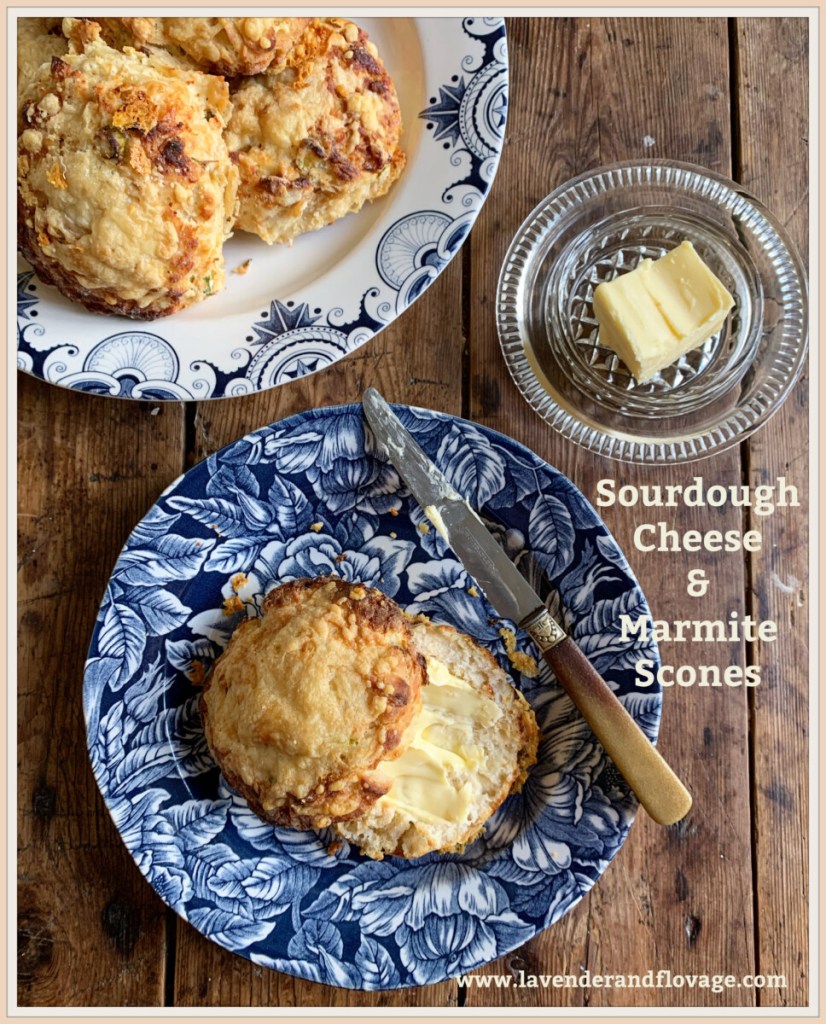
<point>304,497</point>
<point>301,308</point>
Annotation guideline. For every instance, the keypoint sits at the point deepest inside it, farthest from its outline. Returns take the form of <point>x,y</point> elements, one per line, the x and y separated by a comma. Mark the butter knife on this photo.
<point>656,786</point>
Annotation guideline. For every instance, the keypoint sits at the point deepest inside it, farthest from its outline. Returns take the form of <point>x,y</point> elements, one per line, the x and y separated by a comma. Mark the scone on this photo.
<point>221,46</point>
<point>125,189</point>
<point>307,699</point>
<point>38,40</point>
<point>469,747</point>
<point>317,139</point>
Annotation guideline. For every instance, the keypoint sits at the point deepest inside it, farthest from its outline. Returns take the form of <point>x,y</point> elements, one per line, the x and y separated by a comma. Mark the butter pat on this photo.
<point>663,309</point>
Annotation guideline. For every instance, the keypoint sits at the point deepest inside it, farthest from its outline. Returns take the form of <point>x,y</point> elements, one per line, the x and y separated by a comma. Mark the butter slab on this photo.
<point>661,310</point>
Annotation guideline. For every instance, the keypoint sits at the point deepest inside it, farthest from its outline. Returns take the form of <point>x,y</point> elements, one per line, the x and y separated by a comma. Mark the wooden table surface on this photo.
<point>723,892</point>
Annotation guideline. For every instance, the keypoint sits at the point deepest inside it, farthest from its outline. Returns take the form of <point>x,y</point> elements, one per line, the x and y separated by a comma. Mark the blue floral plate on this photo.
<point>298,309</point>
<point>304,497</point>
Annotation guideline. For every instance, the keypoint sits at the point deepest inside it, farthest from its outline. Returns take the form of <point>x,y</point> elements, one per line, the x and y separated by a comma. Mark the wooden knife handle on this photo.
<point>656,786</point>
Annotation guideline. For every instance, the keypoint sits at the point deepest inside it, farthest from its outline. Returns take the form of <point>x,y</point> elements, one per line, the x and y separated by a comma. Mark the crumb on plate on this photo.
<point>522,662</point>
<point>197,673</point>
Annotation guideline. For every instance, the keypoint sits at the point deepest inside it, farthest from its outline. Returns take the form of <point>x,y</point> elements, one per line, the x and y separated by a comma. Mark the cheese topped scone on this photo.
<point>307,699</point>
<point>319,137</point>
<point>125,189</point>
<point>38,40</point>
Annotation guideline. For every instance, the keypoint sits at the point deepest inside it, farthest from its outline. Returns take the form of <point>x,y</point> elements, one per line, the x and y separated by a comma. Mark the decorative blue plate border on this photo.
<point>307,496</point>
<point>212,352</point>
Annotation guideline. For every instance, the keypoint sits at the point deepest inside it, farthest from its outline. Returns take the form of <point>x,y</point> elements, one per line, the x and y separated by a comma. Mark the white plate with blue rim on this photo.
<point>299,309</point>
<point>304,497</point>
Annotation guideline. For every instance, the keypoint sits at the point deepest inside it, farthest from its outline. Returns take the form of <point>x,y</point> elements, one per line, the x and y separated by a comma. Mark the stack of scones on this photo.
<point>144,142</point>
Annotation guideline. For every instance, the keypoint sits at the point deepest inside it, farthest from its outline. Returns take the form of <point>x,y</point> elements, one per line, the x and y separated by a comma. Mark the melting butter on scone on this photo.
<point>467,749</point>
<point>442,750</point>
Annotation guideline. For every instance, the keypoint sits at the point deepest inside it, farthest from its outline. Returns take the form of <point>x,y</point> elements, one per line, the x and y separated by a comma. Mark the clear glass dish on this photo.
<point>605,222</point>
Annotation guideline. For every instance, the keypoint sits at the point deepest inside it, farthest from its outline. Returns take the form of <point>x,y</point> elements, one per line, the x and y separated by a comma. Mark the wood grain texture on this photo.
<point>772,86</point>
<point>679,897</point>
<point>90,930</point>
<point>689,886</point>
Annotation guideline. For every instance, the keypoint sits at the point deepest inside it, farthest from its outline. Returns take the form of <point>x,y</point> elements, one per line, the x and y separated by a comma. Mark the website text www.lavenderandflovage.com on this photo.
<point>661,979</point>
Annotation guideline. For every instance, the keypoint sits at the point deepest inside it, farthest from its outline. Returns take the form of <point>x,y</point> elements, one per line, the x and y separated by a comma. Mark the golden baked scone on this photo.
<point>125,189</point>
<point>309,697</point>
<point>38,40</point>
<point>317,139</point>
<point>222,46</point>
<point>471,745</point>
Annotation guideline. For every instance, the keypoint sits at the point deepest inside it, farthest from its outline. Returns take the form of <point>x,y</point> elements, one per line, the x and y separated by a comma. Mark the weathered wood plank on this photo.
<point>679,897</point>
<point>90,930</point>
<point>772,80</point>
<point>688,889</point>
<point>417,360</point>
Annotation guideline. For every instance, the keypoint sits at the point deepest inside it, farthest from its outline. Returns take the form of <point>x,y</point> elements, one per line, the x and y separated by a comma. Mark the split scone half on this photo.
<point>468,748</point>
<point>317,138</point>
<point>310,697</point>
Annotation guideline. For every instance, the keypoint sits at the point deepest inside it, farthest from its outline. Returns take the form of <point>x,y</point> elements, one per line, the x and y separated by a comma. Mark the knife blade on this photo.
<point>655,784</point>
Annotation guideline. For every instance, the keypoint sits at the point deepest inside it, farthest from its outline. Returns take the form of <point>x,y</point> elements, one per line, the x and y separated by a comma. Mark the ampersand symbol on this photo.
<point>697,583</point>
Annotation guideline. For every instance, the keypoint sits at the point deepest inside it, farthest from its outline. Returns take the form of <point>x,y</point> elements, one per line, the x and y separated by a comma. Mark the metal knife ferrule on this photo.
<point>544,631</point>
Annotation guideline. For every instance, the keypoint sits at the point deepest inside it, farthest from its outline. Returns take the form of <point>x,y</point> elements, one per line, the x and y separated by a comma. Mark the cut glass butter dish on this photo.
<point>605,223</point>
